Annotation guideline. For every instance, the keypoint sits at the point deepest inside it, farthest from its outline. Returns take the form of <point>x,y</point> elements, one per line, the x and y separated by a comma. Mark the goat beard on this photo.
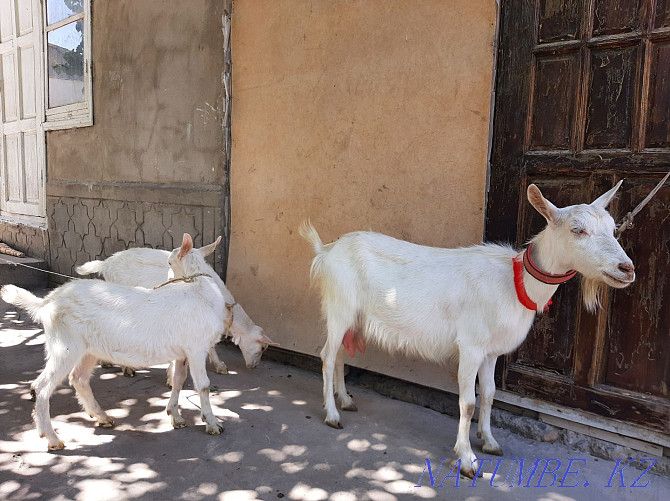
<point>592,293</point>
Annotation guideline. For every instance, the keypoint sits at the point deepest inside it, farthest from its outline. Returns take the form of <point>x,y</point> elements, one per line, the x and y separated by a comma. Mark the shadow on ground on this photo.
<point>275,444</point>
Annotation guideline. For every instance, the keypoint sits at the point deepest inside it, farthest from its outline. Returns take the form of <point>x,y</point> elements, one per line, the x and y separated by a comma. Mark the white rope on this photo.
<point>627,221</point>
<point>38,269</point>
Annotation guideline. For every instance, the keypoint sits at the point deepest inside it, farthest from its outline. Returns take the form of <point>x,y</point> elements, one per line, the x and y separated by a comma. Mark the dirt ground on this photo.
<point>275,444</point>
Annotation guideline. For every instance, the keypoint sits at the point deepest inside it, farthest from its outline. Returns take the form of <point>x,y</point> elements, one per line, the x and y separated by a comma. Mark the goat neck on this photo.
<point>543,256</point>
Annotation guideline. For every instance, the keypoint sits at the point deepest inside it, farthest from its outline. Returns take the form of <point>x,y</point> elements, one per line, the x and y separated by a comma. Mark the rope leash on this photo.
<point>38,269</point>
<point>627,221</point>
<point>188,279</point>
<point>182,279</point>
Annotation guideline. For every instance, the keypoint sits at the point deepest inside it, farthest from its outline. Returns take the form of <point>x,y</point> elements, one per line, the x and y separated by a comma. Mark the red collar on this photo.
<point>543,276</point>
<point>526,262</point>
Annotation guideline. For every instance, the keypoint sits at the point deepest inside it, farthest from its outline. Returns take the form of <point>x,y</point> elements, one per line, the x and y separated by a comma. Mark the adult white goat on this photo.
<point>89,320</point>
<point>149,268</point>
<point>473,303</point>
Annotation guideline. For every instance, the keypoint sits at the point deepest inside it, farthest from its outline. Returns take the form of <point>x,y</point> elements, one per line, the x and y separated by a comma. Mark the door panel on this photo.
<point>610,101</point>
<point>13,160</point>
<point>658,117</point>
<point>617,16</point>
<point>11,107</point>
<point>554,89</point>
<point>582,101</point>
<point>28,81</point>
<point>640,362</point>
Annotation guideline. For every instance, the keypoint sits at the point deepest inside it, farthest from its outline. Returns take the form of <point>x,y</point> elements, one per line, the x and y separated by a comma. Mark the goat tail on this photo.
<point>90,267</point>
<point>308,232</point>
<point>23,299</point>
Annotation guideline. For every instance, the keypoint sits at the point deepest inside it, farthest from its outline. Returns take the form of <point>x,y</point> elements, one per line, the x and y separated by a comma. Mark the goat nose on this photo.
<point>627,267</point>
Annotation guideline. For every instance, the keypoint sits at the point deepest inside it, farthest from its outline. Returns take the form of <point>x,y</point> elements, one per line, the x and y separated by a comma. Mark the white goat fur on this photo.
<point>88,320</point>
<point>461,303</point>
<point>149,267</point>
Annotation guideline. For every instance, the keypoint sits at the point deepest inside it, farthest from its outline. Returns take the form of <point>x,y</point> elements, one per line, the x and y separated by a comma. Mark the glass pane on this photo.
<point>57,10</point>
<point>65,51</point>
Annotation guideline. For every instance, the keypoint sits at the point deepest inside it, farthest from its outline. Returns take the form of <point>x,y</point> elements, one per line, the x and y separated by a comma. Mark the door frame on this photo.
<point>38,41</point>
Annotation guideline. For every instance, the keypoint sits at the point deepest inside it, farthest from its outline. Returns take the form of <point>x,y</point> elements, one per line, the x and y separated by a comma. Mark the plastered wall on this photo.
<point>360,116</point>
<point>153,164</point>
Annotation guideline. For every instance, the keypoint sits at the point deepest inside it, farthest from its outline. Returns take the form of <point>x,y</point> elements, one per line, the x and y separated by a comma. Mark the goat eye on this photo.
<point>581,232</point>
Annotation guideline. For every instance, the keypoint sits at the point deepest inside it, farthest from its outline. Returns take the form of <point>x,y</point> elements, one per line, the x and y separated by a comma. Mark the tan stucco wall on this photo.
<point>358,115</point>
<point>157,93</point>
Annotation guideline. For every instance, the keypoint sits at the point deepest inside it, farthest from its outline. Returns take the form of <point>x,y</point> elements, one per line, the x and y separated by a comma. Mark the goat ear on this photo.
<point>208,249</point>
<point>186,246</point>
<point>268,341</point>
<point>541,204</point>
<point>603,200</point>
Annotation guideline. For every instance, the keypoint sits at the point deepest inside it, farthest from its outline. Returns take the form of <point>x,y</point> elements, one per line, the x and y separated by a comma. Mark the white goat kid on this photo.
<point>442,303</point>
<point>88,320</point>
<point>149,268</point>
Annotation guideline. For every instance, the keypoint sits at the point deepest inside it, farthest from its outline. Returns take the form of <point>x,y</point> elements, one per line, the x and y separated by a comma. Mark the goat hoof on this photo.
<point>351,407</point>
<point>221,369</point>
<point>215,430</point>
<point>57,446</point>
<point>468,472</point>
<point>335,424</point>
<point>128,372</point>
<point>33,394</point>
<point>479,434</point>
<point>496,451</point>
<point>109,423</point>
<point>178,424</point>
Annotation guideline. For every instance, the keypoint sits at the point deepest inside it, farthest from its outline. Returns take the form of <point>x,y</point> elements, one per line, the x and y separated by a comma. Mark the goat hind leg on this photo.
<point>176,378</point>
<point>80,380</point>
<point>57,368</point>
<point>468,365</point>
<point>336,331</point>
<point>487,389</point>
<point>201,385</point>
<point>346,402</point>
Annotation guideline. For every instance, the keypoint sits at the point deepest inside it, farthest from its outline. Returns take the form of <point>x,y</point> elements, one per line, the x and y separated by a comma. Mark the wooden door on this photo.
<point>583,100</point>
<point>21,136</point>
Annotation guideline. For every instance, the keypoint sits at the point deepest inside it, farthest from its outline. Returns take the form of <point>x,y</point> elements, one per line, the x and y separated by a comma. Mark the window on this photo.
<point>67,56</point>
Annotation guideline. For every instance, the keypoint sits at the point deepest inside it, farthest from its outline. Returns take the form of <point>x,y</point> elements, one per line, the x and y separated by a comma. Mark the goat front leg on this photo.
<point>346,402</point>
<point>218,365</point>
<point>176,378</point>
<point>487,389</point>
<point>80,380</point>
<point>201,385</point>
<point>469,361</point>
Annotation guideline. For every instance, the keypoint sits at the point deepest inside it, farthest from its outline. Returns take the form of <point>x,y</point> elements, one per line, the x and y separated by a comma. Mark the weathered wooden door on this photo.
<point>21,135</point>
<point>582,100</point>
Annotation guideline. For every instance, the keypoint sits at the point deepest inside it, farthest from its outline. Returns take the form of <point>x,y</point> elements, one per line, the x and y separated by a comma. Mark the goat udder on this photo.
<point>353,341</point>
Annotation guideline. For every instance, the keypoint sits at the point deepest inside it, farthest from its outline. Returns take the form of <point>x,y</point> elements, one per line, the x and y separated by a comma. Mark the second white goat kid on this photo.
<point>148,268</point>
<point>473,304</point>
<point>89,320</point>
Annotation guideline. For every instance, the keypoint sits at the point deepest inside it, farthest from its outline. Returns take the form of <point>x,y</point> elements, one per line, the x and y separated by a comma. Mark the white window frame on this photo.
<point>77,114</point>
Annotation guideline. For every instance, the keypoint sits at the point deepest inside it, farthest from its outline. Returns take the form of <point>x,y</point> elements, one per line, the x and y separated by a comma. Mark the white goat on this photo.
<point>88,320</point>
<point>148,268</point>
<point>462,303</point>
